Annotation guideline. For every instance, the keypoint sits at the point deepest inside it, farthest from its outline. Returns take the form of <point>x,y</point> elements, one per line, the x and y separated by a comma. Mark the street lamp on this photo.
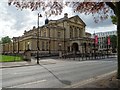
<point>64,39</point>
<point>49,39</point>
<point>39,15</point>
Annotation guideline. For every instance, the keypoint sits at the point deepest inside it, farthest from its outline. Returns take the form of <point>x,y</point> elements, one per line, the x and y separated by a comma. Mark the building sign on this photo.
<point>96,40</point>
<point>108,40</point>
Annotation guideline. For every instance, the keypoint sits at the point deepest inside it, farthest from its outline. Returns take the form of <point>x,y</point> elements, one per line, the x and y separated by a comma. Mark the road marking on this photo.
<point>16,73</point>
<point>28,83</point>
<point>89,80</point>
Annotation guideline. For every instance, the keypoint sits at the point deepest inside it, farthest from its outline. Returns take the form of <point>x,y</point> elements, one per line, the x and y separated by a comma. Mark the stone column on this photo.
<point>80,48</point>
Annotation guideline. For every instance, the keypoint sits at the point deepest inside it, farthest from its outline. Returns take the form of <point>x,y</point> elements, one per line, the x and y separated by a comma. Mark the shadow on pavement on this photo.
<point>62,81</point>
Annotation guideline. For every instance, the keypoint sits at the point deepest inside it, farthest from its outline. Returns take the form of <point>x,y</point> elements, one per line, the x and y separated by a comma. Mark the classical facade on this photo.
<point>65,34</point>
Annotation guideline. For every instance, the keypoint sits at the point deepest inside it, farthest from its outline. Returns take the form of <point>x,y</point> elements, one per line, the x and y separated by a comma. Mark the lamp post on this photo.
<point>13,45</point>
<point>49,40</point>
<point>39,15</point>
<point>64,39</point>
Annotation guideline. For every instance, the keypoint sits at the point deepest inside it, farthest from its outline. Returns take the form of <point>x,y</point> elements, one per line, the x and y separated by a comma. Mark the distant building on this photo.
<point>65,34</point>
<point>102,37</point>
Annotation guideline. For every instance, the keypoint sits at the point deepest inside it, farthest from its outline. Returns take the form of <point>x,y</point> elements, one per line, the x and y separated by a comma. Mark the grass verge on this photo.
<point>7,58</point>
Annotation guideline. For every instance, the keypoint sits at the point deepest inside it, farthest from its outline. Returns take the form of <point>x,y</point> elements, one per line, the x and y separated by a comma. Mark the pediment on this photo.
<point>77,19</point>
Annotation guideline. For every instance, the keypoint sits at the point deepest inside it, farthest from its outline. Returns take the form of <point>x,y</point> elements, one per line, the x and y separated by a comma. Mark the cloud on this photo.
<point>13,22</point>
<point>91,26</point>
<point>101,29</point>
<point>5,21</point>
<point>89,20</point>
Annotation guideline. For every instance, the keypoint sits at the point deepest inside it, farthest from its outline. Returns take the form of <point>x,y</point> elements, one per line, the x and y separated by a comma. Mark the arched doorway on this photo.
<point>75,47</point>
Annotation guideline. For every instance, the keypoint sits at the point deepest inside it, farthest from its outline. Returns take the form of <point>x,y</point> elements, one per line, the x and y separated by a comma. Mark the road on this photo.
<point>57,75</point>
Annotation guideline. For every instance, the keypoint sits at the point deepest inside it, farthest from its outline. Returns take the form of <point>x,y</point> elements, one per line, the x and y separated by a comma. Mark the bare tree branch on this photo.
<point>112,6</point>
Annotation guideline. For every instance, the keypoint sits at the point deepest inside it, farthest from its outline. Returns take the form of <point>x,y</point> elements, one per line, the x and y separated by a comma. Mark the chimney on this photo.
<point>65,15</point>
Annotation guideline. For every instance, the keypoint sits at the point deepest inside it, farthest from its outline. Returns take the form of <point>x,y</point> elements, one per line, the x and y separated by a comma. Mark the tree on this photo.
<point>113,40</point>
<point>5,40</point>
<point>114,20</point>
<point>55,8</point>
<point>0,42</point>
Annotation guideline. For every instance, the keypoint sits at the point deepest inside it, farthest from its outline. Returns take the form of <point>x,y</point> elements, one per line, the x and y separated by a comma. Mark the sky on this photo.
<point>14,22</point>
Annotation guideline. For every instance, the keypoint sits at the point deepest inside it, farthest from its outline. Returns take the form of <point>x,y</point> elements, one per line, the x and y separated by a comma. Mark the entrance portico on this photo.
<point>76,47</point>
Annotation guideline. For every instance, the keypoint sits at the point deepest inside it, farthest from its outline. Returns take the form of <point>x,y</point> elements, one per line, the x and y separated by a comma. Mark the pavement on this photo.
<point>28,63</point>
<point>109,81</point>
<point>41,61</point>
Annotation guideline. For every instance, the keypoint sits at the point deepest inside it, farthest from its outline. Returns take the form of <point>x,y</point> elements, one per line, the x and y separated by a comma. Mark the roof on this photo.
<point>78,18</point>
<point>62,19</point>
<point>58,20</point>
<point>87,33</point>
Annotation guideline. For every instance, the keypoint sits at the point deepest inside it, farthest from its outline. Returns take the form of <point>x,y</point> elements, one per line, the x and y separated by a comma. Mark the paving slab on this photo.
<point>28,63</point>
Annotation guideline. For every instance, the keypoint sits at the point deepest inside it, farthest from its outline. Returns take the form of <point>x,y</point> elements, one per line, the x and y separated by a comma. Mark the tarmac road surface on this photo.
<point>57,75</point>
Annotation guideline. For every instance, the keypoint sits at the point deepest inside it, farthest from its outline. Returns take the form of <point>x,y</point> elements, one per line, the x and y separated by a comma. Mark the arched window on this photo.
<point>28,45</point>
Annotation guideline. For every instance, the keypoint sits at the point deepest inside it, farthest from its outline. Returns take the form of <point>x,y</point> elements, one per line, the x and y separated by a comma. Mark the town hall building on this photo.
<point>65,34</point>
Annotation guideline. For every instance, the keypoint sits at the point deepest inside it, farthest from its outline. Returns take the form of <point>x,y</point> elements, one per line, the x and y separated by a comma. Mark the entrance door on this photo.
<point>75,47</point>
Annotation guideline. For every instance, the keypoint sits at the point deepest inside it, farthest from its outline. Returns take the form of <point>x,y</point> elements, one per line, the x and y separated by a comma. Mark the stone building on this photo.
<point>65,34</point>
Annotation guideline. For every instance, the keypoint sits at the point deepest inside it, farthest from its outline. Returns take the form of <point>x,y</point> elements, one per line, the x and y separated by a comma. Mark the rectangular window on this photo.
<point>43,46</point>
<point>46,45</point>
<point>76,32</point>
<point>59,34</point>
<point>71,32</point>
<point>44,34</point>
